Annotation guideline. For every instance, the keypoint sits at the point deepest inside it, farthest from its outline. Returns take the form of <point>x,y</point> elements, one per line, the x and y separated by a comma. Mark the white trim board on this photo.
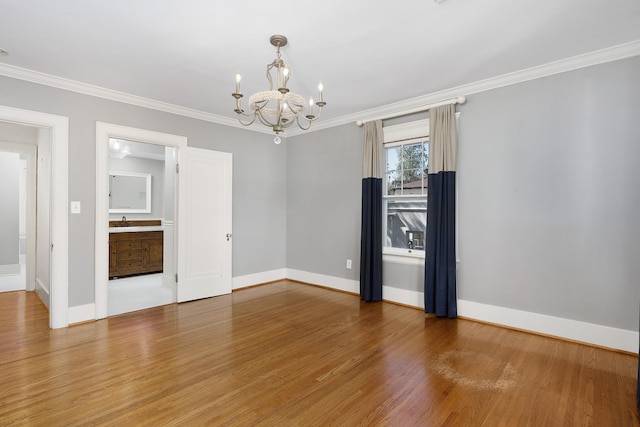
<point>82,313</point>
<point>589,333</point>
<point>610,54</point>
<point>337,283</point>
<point>614,53</point>
<point>9,269</point>
<point>575,330</point>
<point>247,280</point>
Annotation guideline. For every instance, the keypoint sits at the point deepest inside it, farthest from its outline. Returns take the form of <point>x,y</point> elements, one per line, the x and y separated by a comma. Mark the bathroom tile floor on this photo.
<point>137,293</point>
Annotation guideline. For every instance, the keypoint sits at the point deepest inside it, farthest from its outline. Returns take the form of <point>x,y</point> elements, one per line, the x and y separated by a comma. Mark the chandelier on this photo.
<point>278,108</point>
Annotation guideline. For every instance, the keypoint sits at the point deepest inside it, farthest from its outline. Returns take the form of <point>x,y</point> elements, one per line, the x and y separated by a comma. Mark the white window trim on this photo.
<point>398,135</point>
<point>403,134</point>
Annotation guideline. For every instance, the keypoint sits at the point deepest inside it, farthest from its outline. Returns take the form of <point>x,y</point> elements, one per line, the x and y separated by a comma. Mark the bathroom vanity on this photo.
<point>135,247</point>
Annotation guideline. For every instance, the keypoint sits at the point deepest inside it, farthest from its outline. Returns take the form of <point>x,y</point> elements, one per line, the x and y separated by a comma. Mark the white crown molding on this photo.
<point>626,50</point>
<point>113,95</point>
<point>613,53</point>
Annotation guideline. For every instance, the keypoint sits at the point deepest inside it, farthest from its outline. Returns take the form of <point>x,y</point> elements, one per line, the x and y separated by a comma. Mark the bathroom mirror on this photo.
<point>129,192</point>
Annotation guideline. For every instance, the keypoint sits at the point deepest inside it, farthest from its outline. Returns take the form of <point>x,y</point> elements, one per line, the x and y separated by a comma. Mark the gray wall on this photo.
<point>548,195</point>
<point>139,165</point>
<point>9,208</point>
<point>259,205</point>
<point>324,182</point>
<point>547,198</point>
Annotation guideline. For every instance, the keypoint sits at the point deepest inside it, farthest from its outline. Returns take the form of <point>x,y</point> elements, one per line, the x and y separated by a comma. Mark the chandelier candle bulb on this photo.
<point>320,87</point>
<point>238,78</point>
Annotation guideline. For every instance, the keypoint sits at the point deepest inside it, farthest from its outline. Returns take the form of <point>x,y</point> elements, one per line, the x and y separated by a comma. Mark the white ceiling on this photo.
<point>367,53</point>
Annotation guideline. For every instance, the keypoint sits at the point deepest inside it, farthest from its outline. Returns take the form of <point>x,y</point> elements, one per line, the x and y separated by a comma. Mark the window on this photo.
<point>406,153</point>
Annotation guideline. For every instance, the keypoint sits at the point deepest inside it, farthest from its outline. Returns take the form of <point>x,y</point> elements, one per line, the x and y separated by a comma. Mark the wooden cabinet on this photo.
<point>135,253</point>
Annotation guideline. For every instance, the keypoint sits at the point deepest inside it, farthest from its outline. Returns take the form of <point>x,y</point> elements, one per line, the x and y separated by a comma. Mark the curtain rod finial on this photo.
<point>461,99</point>
<point>360,123</point>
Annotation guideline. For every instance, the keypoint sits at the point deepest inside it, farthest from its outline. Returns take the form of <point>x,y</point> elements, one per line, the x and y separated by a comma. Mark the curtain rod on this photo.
<point>456,100</point>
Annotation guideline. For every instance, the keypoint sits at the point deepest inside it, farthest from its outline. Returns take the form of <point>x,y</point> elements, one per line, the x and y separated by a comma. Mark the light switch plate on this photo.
<point>75,207</point>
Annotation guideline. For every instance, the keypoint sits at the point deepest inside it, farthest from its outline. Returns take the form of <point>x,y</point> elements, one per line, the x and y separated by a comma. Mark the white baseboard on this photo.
<point>604,336</point>
<point>81,313</point>
<point>338,283</point>
<point>240,282</point>
<point>9,269</point>
<point>402,296</point>
<point>590,333</point>
<point>43,292</point>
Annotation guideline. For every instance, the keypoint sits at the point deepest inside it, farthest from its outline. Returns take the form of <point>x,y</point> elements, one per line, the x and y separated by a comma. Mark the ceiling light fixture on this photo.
<point>278,108</point>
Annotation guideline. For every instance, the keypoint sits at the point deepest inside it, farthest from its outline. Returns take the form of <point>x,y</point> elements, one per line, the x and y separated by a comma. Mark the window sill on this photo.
<point>403,256</point>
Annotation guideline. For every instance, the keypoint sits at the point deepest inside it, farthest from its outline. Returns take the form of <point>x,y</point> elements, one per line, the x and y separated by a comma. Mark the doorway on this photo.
<point>57,144</point>
<point>171,146</point>
<point>18,208</point>
<point>202,231</point>
<point>142,197</point>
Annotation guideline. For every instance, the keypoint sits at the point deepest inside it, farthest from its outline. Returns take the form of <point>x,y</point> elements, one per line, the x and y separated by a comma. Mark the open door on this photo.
<point>204,221</point>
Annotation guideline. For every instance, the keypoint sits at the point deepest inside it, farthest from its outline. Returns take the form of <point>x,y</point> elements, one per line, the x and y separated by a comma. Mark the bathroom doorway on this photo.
<point>141,215</point>
<point>155,143</point>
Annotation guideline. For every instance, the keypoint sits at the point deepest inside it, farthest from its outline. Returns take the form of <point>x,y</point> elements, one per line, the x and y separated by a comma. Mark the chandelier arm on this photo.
<point>300,125</point>
<point>269,68</point>
<point>264,120</point>
<point>299,108</point>
<point>247,123</point>
<point>318,116</point>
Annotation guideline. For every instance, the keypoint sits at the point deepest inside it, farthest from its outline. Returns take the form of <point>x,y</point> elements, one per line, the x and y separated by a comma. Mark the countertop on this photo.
<point>135,229</point>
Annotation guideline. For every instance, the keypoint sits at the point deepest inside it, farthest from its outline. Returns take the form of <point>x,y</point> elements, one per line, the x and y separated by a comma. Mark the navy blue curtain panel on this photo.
<point>440,263</point>
<point>371,240</point>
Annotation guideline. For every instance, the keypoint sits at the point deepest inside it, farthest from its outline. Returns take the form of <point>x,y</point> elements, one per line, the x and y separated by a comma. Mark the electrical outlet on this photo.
<point>349,264</point>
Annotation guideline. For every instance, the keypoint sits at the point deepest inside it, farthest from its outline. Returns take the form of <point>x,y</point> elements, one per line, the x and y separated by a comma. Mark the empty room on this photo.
<point>415,213</point>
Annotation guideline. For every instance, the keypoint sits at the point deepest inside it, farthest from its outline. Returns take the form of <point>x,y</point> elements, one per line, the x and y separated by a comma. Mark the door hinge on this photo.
<point>177,167</point>
<point>176,277</point>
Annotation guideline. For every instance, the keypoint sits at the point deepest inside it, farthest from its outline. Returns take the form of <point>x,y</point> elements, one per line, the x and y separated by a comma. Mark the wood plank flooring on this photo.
<point>287,354</point>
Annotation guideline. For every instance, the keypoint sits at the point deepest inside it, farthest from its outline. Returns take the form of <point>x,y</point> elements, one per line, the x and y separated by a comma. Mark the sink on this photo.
<point>135,229</point>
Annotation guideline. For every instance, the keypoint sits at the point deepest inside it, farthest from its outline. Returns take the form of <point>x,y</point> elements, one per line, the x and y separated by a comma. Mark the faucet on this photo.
<point>124,221</point>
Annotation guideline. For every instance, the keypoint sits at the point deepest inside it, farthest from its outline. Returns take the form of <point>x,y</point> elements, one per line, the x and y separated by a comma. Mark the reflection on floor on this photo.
<point>135,293</point>
<point>14,282</point>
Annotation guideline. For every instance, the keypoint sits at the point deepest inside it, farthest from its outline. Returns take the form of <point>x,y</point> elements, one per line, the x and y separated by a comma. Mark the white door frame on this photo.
<point>59,217</point>
<point>104,131</point>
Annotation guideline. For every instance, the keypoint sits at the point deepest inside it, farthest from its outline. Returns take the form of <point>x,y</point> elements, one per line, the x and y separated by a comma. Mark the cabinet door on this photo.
<point>152,253</point>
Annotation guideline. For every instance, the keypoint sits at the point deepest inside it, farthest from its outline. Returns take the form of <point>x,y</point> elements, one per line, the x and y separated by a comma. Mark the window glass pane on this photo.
<point>406,223</point>
<point>394,183</point>
<point>412,182</point>
<point>425,162</point>
<point>412,156</point>
<point>393,158</point>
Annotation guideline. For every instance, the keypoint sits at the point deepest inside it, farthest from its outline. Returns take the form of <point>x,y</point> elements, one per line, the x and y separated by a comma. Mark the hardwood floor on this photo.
<point>288,354</point>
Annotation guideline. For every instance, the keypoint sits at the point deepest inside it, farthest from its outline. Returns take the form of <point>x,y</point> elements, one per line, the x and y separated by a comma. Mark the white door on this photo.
<point>204,224</point>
